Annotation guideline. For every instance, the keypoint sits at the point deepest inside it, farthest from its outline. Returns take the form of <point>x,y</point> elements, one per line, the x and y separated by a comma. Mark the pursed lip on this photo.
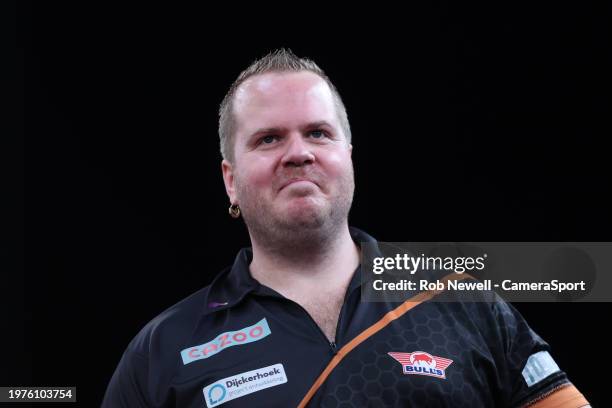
<point>296,179</point>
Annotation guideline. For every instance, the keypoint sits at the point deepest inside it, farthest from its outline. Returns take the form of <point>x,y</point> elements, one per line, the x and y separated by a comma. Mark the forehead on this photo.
<point>283,99</point>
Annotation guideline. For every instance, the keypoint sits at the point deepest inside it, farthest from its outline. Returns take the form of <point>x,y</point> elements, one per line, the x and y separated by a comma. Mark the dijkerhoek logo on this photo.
<point>216,394</point>
<point>239,385</point>
<point>239,337</point>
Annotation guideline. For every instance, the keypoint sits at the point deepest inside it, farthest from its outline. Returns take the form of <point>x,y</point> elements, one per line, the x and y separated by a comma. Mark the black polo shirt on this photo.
<point>237,343</point>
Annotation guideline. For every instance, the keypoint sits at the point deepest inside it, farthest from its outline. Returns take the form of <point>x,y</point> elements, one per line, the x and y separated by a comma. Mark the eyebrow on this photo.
<point>311,125</point>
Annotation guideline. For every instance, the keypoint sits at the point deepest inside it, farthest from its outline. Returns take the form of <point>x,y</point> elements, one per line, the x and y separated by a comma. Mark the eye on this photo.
<point>268,139</point>
<point>317,134</point>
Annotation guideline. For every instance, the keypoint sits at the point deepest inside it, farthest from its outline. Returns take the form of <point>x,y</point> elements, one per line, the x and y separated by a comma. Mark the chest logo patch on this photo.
<point>242,384</point>
<point>422,363</point>
<point>239,337</point>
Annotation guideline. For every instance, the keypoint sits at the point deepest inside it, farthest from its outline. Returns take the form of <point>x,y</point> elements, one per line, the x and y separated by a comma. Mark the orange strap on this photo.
<point>370,331</point>
<point>566,397</point>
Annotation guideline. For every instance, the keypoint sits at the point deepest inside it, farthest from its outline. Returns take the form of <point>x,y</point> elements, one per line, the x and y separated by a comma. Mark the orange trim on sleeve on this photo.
<point>370,331</point>
<point>566,397</point>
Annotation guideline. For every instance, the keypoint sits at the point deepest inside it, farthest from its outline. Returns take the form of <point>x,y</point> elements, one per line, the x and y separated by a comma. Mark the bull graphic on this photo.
<point>422,358</point>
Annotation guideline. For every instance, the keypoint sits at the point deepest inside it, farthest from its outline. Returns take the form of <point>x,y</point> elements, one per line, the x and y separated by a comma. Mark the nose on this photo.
<point>298,152</point>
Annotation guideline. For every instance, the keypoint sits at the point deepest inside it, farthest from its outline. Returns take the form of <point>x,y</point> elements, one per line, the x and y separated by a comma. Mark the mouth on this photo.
<point>300,180</point>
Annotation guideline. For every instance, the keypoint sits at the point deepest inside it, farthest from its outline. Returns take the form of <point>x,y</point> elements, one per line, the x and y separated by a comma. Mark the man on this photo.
<point>284,326</point>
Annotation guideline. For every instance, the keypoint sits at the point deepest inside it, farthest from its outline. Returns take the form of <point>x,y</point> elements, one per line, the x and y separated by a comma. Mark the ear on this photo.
<point>350,149</point>
<point>228,179</point>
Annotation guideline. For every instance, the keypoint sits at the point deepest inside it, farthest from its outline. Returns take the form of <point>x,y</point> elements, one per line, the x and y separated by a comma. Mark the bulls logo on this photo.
<point>422,363</point>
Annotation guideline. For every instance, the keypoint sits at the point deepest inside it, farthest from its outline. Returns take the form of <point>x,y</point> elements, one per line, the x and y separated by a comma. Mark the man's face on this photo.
<point>292,167</point>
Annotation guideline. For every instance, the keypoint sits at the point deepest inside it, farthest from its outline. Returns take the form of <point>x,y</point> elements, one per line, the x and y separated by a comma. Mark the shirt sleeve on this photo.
<point>128,385</point>
<point>531,372</point>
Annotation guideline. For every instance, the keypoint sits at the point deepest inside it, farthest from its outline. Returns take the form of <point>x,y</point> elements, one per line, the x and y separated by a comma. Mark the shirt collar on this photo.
<point>234,283</point>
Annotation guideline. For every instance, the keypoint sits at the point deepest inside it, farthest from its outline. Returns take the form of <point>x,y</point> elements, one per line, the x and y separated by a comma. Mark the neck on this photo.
<point>294,267</point>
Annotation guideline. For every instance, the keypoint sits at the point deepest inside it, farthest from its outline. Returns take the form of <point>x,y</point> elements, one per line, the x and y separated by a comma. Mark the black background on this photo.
<point>469,124</point>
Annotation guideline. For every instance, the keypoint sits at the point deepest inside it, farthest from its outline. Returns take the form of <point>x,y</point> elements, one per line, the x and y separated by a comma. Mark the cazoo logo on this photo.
<point>228,339</point>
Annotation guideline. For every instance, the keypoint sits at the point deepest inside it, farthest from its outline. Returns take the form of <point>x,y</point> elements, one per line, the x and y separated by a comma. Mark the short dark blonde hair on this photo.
<point>281,60</point>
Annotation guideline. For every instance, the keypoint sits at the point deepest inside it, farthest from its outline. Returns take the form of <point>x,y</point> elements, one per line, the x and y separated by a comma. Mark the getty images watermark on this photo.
<point>516,271</point>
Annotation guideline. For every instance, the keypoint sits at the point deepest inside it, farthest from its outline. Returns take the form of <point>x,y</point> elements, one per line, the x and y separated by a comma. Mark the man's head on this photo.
<point>281,60</point>
<point>288,162</point>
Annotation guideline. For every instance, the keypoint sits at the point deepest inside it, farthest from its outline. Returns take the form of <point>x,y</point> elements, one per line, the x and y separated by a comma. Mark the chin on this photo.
<point>304,216</point>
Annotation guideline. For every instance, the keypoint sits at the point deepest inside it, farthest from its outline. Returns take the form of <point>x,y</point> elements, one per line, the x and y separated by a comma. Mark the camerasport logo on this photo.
<point>239,337</point>
<point>422,363</point>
